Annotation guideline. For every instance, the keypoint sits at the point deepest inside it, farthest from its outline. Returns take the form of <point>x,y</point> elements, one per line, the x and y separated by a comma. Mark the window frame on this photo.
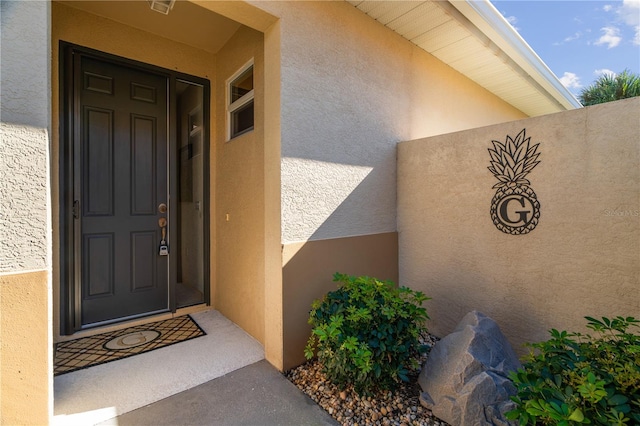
<point>239,104</point>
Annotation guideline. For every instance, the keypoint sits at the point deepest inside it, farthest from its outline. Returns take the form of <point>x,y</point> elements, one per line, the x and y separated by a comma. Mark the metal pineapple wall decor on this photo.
<point>515,208</point>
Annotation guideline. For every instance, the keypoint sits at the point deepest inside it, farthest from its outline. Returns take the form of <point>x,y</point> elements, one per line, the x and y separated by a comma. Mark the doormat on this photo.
<point>102,348</point>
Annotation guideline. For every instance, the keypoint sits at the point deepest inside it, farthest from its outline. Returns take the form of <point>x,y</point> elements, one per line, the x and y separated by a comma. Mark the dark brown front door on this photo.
<point>119,181</point>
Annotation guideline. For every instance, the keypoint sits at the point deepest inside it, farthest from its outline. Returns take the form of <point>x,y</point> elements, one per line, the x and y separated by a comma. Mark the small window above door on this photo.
<point>240,117</point>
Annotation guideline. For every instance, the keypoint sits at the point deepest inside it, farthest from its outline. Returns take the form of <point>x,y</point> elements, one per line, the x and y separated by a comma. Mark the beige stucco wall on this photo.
<point>26,388</point>
<point>264,160</point>
<point>583,258</point>
<point>308,274</point>
<point>26,391</point>
<point>351,90</point>
<point>240,203</point>
<point>24,196</point>
<point>25,55</point>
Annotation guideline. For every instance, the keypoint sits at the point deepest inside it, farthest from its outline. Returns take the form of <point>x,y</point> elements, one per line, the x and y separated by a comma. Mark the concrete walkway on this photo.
<point>90,396</point>
<point>254,395</point>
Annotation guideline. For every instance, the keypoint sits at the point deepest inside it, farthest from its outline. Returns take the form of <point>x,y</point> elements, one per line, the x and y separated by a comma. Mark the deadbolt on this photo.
<point>162,208</point>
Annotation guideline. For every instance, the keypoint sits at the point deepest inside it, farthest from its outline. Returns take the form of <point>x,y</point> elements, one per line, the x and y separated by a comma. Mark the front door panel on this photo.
<point>120,151</point>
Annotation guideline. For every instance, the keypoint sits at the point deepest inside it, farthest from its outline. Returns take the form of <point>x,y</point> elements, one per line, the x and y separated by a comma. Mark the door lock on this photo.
<point>164,248</point>
<point>162,208</point>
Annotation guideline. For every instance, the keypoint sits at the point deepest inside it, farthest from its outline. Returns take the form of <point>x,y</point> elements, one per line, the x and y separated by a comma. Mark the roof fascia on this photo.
<point>490,21</point>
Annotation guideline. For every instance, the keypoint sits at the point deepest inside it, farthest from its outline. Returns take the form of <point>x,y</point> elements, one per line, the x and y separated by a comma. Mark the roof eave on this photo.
<point>490,21</point>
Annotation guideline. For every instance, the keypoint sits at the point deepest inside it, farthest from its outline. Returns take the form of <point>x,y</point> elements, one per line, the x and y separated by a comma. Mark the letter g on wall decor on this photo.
<point>515,208</point>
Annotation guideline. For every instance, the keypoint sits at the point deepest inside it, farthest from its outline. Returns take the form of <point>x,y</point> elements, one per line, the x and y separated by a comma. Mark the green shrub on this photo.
<point>574,379</point>
<point>367,333</point>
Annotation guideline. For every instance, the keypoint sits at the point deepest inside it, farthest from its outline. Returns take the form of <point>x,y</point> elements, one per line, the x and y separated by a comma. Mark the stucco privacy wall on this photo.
<point>25,276</point>
<point>76,26</point>
<point>583,258</point>
<point>350,90</point>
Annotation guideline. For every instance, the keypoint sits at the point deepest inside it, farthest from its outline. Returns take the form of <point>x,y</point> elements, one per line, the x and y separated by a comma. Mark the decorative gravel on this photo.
<point>398,407</point>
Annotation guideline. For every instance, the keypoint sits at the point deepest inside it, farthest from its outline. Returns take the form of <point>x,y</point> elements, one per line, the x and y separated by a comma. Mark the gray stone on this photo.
<point>464,380</point>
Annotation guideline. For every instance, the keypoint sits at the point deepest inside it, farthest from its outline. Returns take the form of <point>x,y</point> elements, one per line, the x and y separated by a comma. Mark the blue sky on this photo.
<point>579,40</point>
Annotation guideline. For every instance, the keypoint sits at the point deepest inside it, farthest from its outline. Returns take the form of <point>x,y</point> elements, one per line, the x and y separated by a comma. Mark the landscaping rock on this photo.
<point>399,407</point>
<point>464,380</point>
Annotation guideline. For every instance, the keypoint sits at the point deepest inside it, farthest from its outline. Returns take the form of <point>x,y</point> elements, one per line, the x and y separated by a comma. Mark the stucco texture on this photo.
<point>307,275</point>
<point>582,258</point>
<point>25,60</point>
<point>239,200</point>
<point>351,90</point>
<point>24,113</point>
<point>26,349</point>
<point>26,388</point>
<point>24,215</point>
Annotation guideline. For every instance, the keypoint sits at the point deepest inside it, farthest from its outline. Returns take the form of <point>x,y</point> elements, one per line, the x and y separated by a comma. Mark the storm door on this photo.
<point>120,191</point>
<point>134,185</point>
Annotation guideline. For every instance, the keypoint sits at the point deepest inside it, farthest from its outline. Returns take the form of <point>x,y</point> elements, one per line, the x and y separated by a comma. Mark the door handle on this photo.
<point>164,248</point>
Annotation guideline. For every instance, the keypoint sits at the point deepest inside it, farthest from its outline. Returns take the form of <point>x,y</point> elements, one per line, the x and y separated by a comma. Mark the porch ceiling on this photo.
<point>473,38</point>
<point>187,23</point>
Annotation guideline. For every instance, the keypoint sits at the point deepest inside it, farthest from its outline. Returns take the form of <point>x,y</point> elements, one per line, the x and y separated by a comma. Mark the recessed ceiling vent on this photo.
<point>162,6</point>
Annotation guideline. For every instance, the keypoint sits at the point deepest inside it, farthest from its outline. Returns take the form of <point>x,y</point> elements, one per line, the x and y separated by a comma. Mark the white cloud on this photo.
<point>570,81</point>
<point>604,71</point>
<point>630,12</point>
<point>611,37</point>
<point>573,37</point>
<point>512,20</point>
<point>569,39</point>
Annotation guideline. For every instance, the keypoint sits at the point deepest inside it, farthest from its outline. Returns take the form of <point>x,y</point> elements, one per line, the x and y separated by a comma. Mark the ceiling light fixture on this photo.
<point>162,6</point>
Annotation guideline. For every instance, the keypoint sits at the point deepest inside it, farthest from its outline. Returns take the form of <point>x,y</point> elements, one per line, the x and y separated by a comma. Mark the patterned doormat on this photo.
<point>102,348</point>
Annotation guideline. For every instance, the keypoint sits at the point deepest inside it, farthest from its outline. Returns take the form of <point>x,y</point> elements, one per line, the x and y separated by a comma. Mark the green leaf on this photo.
<point>512,415</point>
<point>617,400</point>
<point>308,352</point>
<point>577,416</point>
<point>367,332</point>
<point>320,332</point>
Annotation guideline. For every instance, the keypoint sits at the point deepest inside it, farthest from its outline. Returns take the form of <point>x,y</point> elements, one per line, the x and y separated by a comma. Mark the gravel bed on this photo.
<point>398,407</point>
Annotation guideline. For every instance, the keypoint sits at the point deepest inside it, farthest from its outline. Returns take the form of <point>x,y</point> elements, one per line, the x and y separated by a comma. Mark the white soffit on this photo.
<point>473,38</point>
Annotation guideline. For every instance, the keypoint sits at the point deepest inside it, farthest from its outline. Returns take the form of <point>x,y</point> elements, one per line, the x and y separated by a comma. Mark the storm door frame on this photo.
<point>70,284</point>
